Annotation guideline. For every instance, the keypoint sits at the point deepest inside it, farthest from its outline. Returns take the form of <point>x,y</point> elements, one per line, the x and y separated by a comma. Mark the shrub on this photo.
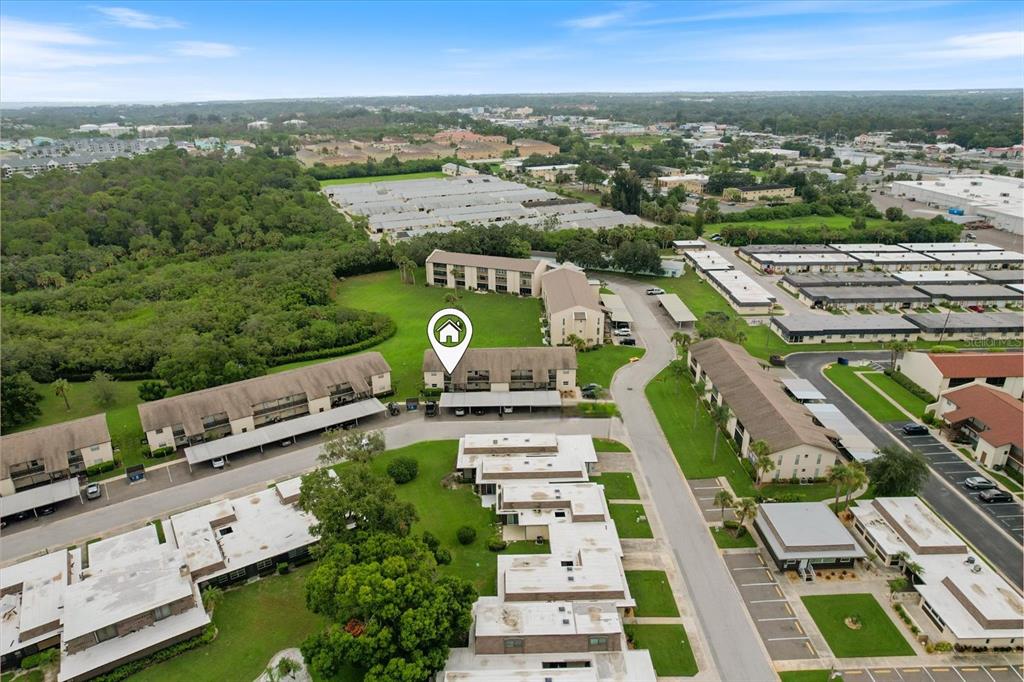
<point>904,381</point>
<point>101,467</point>
<point>283,568</point>
<point>431,541</point>
<point>496,545</point>
<point>129,669</point>
<point>945,349</point>
<point>442,556</point>
<point>403,469</point>
<point>32,660</point>
<point>466,535</point>
<point>943,646</point>
<point>152,390</point>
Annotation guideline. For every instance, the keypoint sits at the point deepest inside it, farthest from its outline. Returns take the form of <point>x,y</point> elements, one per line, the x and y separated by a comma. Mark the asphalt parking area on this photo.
<point>775,620</point>
<point>705,489</point>
<point>962,673</point>
<point>950,466</point>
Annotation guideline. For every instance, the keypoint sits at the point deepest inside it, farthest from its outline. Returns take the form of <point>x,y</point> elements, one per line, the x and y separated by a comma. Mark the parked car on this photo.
<point>655,291</point>
<point>716,237</point>
<point>592,387</point>
<point>431,408</point>
<point>508,409</point>
<point>976,308</point>
<point>217,462</point>
<point>970,237</point>
<point>93,492</point>
<point>460,411</point>
<point>777,361</point>
<point>479,411</point>
<point>913,429</point>
<point>979,483</point>
<point>628,342</point>
<point>285,443</point>
<point>995,495</point>
<point>46,510</point>
<point>623,331</point>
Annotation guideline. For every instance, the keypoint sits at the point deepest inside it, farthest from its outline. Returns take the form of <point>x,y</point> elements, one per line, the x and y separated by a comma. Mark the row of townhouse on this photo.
<point>794,258</point>
<point>881,327</point>
<point>571,303</point>
<point>556,612</point>
<point>130,595</point>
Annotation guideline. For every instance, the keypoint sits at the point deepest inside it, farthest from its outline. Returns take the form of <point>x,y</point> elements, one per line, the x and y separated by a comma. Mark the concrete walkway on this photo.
<point>736,649</point>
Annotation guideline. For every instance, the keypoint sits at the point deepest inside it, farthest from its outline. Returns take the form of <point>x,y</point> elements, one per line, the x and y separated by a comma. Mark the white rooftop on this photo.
<point>494,618</point>
<point>803,258</point>
<point>892,257</point>
<point>617,308</point>
<point>869,248</point>
<point>916,523</point>
<point>477,448</point>
<point>500,399</point>
<point>529,577</point>
<point>708,260</point>
<point>805,530</point>
<point>802,389</point>
<point>676,309</point>
<point>1012,257</point>
<point>742,288</point>
<point>852,439</point>
<point>39,603</point>
<point>949,246</point>
<point>938,277</point>
<point>540,500</point>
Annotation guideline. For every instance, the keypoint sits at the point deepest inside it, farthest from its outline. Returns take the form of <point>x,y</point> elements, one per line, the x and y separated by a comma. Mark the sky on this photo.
<point>195,51</point>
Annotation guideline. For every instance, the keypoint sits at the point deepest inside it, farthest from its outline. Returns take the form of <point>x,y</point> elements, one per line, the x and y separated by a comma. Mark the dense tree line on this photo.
<point>913,230</point>
<point>389,166</point>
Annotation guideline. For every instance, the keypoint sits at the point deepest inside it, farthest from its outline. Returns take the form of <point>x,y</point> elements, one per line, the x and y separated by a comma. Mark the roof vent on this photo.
<point>565,621</point>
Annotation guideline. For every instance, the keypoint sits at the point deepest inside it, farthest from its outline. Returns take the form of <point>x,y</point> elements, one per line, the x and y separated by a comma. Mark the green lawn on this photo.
<point>907,400</point>
<point>254,622</point>
<point>837,222</point>
<point>669,647</point>
<point>861,393</point>
<point>877,636</point>
<point>382,178</point>
<point>598,366</point>
<point>808,676</point>
<point>609,445</point>
<point>652,593</point>
<point>630,520</point>
<point>618,485</point>
<point>725,539</point>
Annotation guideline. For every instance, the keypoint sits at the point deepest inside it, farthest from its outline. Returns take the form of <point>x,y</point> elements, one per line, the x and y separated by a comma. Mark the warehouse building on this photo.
<point>978,260</point>
<point>971,294</point>
<point>961,326</point>
<point>938,277</point>
<point>895,260</point>
<point>812,328</point>
<point>865,297</point>
<point>998,199</point>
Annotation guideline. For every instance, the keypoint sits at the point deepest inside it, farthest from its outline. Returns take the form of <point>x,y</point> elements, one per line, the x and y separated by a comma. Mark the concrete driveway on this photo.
<point>704,490</point>
<point>951,503</point>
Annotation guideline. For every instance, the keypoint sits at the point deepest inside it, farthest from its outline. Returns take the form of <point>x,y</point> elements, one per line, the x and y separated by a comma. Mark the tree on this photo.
<point>763,460</point>
<point>578,344</point>
<point>152,390</point>
<point>894,214</point>
<point>212,596</point>
<point>746,509</point>
<point>837,477</point>
<point>61,388</point>
<point>103,387</point>
<point>716,324</point>
<point>340,445</point>
<point>723,499</point>
<point>627,192</point>
<point>452,301</point>
<point>681,341</point>
<point>897,472</point>
<point>698,388</point>
<point>999,170</point>
<point>856,476</point>
<point>589,174</point>
<point>637,257</point>
<point>19,400</point>
<point>391,613</point>
<point>403,469</point>
<point>896,349</point>
<point>720,416</point>
<point>356,499</point>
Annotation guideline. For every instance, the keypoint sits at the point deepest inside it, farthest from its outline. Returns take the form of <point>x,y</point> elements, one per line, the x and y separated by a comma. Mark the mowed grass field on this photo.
<point>382,178</point>
<point>849,382</point>
<point>907,400</point>
<point>599,366</point>
<point>875,633</point>
<point>836,222</point>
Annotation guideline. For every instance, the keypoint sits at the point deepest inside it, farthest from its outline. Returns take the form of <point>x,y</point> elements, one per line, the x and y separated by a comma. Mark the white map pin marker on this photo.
<point>449,331</point>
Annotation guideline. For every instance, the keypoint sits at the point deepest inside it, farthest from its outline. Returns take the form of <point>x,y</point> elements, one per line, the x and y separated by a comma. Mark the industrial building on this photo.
<point>996,199</point>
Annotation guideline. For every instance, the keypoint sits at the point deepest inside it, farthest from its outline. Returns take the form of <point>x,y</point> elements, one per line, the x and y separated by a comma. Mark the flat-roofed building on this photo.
<point>489,460</point>
<point>948,247</point>
<point>978,260</point>
<point>962,326</point>
<point>895,260</point>
<point>795,281</point>
<point>572,308</point>
<point>527,510</point>
<point>937,373</point>
<point>32,603</point>
<point>762,192</point>
<point>504,369</point>
<point>39,457</point>
<point>865,297</point>
<point>502,627</point>
<point>477,272</point>
<point>706,261</point>
<point>746,251</point>
<point>135,597</point>
<point>693,183</point>
<point>971,294</point>
<point>804,536</point>
<point>455,170</point>
<point>744,294</point>
<point>813,328</point>
<point>803,262</point>
<point>992,422</point>
<point>965,599</point>
<point>761,410</point>
<point>1000,200</point>
<point>245,406</point>
<point>681,315</point>
<point>590,574</point>
<point>938,277</point>
<point>681,246</point>
<point>553,173</point>
<point>1006,277</point>
<point>867,248</point>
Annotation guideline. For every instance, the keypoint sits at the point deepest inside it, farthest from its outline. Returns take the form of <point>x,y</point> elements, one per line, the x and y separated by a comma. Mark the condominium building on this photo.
<point>991,420</point>
<point>761,192</point>
<point>504,369</point>
<point>572,307</point>
<point>937,373</point>
<point>485,273</point>
<point>38,457</point>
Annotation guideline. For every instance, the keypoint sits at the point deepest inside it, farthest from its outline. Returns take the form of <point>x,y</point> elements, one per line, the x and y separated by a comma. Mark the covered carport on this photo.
<point>617,311</point>
<point>516,400</point>
<point>282,431</point>
<point>677,310</point>
<point>33,498</point>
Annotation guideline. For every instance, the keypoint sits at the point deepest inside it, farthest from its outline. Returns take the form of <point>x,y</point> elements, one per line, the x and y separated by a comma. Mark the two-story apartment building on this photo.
<point>504,369</point>
<point>939,372</point>
<point>477,272</point>
<point>760,409</point>
<point>991,420</point>
<point>48,456</point>
<point>245,406</point>
<point>572,307</point>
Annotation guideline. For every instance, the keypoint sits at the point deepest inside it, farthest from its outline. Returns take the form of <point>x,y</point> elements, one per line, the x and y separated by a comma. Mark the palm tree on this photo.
<point>681,341</point>
<point>723,498</point>
<point>576,342</point>
<point>61,388</point>
<point>763,461</point>
<point>746,509</point>
<point>698,388</point>
<point>837,477</point>
<point>452,300</point>
<point>897,348</point>
<point>720,416</point>
<point>856,476</point>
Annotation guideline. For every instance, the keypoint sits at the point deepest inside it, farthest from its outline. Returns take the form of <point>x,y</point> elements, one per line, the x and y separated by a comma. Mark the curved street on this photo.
<point>736,648</point>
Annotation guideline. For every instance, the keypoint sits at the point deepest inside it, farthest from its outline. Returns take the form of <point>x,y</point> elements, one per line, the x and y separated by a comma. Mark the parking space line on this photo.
<point>989,674</point>
<point>1019,673</point>
<point>748,568</point>
<point>928,673</point>
<point>769,620</point>
<point>755,584</point>
<point>768,601</point>
<point>784,639</point>
<point>958,674</point>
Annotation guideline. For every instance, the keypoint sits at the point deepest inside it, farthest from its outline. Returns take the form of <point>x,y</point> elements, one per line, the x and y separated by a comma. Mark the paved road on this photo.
<point>960,511</point>
<point>769,282</point>
<point>51,532</point>
<point>735,646</point>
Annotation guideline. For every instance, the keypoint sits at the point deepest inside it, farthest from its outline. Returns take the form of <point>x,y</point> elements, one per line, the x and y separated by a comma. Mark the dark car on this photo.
<point>995,495</point>
<point>478,411</point>
<point>979,483</point>
<point>777,361</point>
<point>628,341</point>
<point>46,510</point>
<point>914,430</point>
<point>431,408</point>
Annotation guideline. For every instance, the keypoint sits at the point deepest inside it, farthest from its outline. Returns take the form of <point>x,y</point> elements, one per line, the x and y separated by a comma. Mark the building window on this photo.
<point>597,643</point>
<point>514,646</point>
<point>235,575</point>
<point>103,634</point>
<point>559,514</point>
<point>264,563</point>
<point>996,381</point>
<point>161,612</point>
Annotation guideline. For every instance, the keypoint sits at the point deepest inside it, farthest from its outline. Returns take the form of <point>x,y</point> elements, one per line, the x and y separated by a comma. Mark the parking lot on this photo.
<point>964,673</point>
<point>777,624</point>
<point>705,489</point>
<point>951,466</point>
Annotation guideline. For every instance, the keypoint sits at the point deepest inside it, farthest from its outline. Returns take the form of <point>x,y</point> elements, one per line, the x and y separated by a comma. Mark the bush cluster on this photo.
<point>904,381</point>
<point>466,535</point>
<point>102,467</point>
<point>129,669</point>
<point>403,469</point>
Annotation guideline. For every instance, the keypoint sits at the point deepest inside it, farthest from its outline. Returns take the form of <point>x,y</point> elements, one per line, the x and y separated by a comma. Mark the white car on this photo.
<point>217,462</point>
<point>623,331</point>
<point>655,291</point>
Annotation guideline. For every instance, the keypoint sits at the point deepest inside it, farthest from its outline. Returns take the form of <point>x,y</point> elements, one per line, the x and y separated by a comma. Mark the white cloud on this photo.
<point>981,46</point>
<point>198,48</point>
<point>30,45</point>
<point>133,18</point>
<point>31,32</point>
<point>596,20</point>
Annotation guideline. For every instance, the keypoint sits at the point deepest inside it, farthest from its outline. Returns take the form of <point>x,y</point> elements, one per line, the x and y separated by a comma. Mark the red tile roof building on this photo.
<point>991,419</point>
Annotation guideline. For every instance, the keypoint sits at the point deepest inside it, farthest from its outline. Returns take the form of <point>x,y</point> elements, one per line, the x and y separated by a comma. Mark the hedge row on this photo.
<point>322,353</point>
<point>904,381</point>
<point>133,667</point>
<point>102,467</point>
